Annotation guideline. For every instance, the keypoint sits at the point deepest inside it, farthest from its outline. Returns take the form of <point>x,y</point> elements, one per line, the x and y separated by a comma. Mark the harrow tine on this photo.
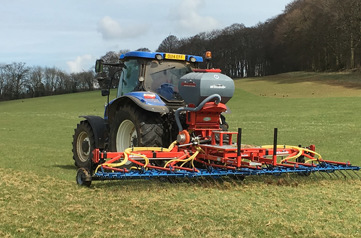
<point>334,174</point>
<point>324,177</point>
<point>234,182</point>
<point>349,174</point>
<point>218,182</point>
<point>222,180</point>
<point>315,176</point>
<point>208,179</point>
<point>197,179</point>
<point>213,181</point>
<point>356,174</point>
<point>188,180</point>
<point>172,180</point>
<point>344,176</point>
<point>292,178</point>
<point>320,175</point>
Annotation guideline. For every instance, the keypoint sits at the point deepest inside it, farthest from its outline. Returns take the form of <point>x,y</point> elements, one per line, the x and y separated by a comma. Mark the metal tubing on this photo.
<point>239,138</point>
<point>275,146</point>
<point>191,109</point>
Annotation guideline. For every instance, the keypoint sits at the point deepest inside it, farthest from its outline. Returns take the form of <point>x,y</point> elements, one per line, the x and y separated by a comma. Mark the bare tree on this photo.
<point>16,77</point>
<point>169,44</point>
<point>35,85</point>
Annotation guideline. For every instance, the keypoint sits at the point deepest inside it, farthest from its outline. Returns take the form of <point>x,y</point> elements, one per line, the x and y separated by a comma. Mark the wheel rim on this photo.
<point>126,136</point>
<point>83,155</point>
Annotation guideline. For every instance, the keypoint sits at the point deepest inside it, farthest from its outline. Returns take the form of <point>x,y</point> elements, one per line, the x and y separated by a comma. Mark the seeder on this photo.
<point>205,150</point>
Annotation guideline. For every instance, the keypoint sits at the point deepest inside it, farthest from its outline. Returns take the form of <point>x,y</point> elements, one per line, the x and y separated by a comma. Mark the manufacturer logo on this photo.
<point>206,118</point>
<point>218,86</point>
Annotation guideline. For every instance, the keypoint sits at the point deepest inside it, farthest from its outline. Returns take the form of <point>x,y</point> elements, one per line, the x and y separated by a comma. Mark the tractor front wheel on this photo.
<point>83,145</point>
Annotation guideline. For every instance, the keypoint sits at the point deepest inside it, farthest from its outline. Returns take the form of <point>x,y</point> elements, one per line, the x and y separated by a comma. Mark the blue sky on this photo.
<point>71,34</point>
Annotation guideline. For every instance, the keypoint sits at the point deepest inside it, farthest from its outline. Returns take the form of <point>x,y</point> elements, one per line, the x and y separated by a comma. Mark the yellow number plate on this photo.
<point>175,56</point>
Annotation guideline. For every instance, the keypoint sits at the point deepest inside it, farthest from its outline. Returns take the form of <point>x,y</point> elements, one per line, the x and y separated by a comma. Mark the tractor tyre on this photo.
<point>135,127</point>
<point>83,145</point>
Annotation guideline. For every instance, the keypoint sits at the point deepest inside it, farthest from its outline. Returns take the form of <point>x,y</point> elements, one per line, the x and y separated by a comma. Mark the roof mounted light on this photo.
<point>208,55</point>
<point>192,59</point>
<point>158,57</point>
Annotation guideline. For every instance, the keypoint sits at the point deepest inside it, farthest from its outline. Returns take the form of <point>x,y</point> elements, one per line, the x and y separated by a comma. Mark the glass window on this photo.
<point>162,77</point>
<point>129,77</point>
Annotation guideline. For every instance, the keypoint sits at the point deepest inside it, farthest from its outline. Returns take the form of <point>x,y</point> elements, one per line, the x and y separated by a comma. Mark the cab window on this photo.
<point>163,77</point>
<point>129,77</point>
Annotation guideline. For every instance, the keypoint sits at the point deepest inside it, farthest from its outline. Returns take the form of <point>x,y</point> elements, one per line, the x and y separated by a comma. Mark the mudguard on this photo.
<point>99,127</point>
<point>146,100</point>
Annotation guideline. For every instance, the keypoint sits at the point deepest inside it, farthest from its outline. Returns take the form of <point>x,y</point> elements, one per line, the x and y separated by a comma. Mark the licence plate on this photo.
<point>175,56</point>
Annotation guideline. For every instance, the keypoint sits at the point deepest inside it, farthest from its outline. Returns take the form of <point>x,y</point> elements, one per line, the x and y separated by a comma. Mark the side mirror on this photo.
<point>101,77</point>
<point>105,92</point>
<point>99,66</point>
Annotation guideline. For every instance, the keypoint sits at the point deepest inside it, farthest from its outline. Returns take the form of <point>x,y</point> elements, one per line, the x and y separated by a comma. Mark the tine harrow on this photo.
<point>215,161</point>
<point>204,152</point>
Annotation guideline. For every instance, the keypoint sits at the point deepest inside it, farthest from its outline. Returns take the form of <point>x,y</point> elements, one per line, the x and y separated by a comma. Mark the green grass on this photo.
<point>304,85</point>
<point>39,196</point>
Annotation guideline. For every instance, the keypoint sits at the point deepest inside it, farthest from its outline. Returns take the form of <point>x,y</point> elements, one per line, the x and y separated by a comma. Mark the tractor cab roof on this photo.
<point>161,56</point>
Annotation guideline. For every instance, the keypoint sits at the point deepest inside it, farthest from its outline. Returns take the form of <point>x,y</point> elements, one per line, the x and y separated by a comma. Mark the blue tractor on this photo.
<point>152,86</point>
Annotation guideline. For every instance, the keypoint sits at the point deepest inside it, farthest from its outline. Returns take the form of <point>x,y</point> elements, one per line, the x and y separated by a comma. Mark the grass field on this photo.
<point>39,196</point>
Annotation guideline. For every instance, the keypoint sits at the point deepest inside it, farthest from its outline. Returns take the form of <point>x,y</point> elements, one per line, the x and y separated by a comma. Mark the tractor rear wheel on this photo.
<point>83,145</point>
<point>135,127</point>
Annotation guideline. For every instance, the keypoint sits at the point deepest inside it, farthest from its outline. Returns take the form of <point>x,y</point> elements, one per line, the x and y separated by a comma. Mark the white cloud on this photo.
<point>81,63</point>
<point>188,19</point>
<point>113,30</point>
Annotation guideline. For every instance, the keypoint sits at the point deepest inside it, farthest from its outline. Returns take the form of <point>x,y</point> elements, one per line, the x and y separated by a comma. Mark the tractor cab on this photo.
<point>155,72</point>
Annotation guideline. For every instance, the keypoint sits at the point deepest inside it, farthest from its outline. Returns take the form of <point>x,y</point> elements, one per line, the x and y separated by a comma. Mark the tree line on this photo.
<point>311,35</point>
<point>20,81</point>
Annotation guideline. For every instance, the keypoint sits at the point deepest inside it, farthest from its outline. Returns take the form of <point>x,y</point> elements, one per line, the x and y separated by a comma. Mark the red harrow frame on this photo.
<point>204,150</point>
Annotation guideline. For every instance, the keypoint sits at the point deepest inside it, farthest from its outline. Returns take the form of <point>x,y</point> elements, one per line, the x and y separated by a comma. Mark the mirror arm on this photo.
<point>114,64</point>
<point>111,81</point>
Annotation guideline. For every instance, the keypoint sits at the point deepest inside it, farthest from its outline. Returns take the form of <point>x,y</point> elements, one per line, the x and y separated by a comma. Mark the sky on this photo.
<point>72,34</point>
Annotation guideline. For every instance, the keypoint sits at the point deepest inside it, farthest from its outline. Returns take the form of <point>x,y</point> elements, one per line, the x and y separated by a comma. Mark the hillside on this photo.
<point>304,84</point>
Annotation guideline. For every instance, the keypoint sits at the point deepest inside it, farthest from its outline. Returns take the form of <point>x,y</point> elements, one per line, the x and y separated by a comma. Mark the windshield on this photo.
<point>162,77</point>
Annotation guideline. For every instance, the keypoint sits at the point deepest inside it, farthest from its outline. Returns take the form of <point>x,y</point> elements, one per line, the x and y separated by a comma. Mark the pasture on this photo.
<point>39,195</point>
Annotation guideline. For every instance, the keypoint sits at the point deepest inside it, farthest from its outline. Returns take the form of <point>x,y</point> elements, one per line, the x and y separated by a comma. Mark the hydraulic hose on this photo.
<point>130,151</point>
<point>195,109</point>
<point>299,149</point>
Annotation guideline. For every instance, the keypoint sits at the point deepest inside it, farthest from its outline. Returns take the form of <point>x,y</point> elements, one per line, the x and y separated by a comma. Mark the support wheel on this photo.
<point>83,145</point>
<point>83,177</point>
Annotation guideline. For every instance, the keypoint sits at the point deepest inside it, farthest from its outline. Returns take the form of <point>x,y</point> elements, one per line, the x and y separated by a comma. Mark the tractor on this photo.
<point>167,121</point>
<point>152,87</point>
